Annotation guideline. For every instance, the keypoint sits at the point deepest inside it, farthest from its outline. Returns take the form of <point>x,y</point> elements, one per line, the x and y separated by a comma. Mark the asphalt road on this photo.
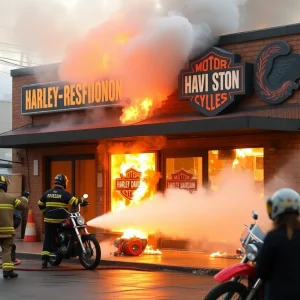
<point>105,285</point>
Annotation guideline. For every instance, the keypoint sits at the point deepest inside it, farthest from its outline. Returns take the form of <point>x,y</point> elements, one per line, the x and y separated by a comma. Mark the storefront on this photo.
<point>236,107</point>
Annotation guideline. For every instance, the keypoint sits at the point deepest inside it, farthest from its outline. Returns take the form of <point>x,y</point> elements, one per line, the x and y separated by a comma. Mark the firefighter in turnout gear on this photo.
<point>51,204</point>
<point>7,205</point>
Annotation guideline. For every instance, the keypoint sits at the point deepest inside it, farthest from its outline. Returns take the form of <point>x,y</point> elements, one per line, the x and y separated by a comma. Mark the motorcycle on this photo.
<point>74,240</point>
<point>230,278</point>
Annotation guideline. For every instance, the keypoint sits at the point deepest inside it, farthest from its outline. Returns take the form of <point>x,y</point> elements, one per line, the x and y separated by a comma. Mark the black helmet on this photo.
<point>62,180</point>
<point>3,183</point>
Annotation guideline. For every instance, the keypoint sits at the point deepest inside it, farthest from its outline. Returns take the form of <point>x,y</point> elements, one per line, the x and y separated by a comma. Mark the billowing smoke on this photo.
<point>146,47</point>
<point>138,42</point>
<point>201,216</point>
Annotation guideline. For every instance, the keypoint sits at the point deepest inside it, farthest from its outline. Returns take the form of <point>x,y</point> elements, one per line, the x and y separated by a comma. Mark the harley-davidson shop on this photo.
<point>236,107</point>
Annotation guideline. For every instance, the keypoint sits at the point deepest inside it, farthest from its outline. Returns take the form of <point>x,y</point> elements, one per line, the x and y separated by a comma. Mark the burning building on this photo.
<point>234,108</point>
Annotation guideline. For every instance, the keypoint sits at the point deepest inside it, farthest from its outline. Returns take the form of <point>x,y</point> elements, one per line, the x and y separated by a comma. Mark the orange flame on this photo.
<point>137,112</point>
<point>241,153</point>
<point>145,185</point>
<point>218,254</point>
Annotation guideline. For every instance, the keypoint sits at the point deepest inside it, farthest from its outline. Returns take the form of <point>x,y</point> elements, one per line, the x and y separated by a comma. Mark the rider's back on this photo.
<point>54,199</point>
<point>279,265</point>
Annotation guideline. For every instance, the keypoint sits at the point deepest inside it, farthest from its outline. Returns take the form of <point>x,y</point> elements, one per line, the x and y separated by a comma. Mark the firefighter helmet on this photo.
<point>283,201</point>
<point>62,180</point>
<point>3,183</point>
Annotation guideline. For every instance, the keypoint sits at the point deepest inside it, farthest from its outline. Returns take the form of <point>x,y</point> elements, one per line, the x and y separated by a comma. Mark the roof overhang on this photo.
<point>34,136</point>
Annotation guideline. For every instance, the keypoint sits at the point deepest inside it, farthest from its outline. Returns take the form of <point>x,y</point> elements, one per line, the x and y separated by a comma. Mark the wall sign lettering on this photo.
<point>214,81</point>
<point>62,96</point>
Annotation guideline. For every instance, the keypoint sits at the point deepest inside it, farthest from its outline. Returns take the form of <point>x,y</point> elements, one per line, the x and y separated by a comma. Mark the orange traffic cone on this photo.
<point>30,232</point>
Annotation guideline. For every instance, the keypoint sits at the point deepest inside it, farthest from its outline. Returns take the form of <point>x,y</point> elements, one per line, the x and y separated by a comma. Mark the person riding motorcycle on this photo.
<point>50,205</point>
<point>7,204</point>
<point>279,260</point>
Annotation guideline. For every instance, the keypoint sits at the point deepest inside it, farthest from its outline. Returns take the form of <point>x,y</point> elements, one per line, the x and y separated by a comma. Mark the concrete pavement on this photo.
<point>105,285</point>
<point>180,261</point>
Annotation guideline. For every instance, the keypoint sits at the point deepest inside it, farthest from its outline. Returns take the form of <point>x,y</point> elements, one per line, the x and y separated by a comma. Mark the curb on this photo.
<point>135,266</point>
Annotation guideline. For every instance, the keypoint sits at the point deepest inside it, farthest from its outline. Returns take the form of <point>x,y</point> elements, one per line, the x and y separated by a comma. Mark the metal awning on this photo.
<point>34,136</point>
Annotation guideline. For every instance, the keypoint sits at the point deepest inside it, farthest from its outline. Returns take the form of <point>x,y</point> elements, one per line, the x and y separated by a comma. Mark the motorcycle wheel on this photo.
<point>236,289</point>
<point>90,252</point>
<point>55,261</point>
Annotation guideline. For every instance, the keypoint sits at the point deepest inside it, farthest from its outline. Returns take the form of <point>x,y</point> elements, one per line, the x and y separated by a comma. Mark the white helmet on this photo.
<point>283,201</point>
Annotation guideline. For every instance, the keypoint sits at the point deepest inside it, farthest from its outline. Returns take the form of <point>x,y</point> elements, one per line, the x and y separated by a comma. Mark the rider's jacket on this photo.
<point>52,202</point>
<point>7,205</point>
<point>278,265</point>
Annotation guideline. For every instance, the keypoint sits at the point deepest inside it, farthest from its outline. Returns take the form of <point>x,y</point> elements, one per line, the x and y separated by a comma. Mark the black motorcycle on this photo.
<point>74,240</point>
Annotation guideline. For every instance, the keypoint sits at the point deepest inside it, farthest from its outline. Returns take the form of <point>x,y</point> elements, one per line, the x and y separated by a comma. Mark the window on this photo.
<point>133,179</point>
<point>247,160</point>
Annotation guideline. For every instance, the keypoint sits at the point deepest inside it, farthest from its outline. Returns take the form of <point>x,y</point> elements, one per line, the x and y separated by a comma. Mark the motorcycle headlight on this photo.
<point>251,252</point>
<point>80,221</point>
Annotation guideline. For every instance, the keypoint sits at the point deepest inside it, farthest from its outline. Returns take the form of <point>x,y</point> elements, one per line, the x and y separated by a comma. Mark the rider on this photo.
<point>50,205</point>
<point>279,260</point>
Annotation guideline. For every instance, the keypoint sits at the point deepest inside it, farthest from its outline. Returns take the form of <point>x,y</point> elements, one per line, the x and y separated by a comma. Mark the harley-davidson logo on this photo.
<point>182,180</point>
<point>213,81</point>
<point>127,184</point>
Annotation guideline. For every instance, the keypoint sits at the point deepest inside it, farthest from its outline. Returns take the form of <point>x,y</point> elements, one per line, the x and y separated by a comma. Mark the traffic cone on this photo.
<point>30,232</point>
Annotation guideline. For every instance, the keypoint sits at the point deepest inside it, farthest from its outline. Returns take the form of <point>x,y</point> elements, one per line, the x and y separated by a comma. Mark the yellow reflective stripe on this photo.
<point>17,202</point>
<point>3,179</point>
<point>73,200</point>
<point>6,206</point>
<point>45,253</point>
<point>56,204</point>
<point>6,229</point>
<point>47,220</point>
<point>8,266</point>
<point>41,203</point>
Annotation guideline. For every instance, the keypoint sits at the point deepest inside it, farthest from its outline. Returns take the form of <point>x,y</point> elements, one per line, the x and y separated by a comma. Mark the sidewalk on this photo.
<point>170,260</point>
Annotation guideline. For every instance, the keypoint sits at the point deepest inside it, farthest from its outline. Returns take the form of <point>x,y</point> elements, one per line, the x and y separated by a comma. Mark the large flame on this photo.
<point>145,163</point>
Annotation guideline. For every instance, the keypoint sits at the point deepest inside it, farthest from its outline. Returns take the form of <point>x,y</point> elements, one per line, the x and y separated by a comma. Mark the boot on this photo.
<point>45,264</point>
<point>9,274</point>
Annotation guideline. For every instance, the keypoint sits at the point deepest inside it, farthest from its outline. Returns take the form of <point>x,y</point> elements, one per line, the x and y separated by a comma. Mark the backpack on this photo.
<point>17,218</point>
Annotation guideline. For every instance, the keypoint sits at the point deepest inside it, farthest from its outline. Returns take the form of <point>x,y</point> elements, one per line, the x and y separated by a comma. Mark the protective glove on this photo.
<point>25,194</point>
<point>84,203</point>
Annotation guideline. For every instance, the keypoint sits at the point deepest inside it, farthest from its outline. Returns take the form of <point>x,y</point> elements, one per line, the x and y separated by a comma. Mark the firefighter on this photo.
<point>7,204</point>
<point>17,218</point>
<point>50,205</point>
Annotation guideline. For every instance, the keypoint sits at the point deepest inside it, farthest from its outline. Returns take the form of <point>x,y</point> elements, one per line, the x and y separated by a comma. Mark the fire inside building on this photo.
<point>236,106</point>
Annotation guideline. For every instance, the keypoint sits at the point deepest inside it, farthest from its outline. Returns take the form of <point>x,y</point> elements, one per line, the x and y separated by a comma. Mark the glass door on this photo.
<point>81,173</point>
<point>185,170</point>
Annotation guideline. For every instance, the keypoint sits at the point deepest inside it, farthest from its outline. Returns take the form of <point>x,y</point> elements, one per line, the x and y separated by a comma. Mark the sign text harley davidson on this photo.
<point>128,183</point>
<point>182,180</point>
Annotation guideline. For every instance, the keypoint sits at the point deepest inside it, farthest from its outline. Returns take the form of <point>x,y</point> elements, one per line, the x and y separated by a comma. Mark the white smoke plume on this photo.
<point>205,217</point>
<point>202,216</point>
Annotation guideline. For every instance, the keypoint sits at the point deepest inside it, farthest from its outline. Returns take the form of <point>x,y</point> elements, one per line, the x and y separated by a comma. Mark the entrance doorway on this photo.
<point>187,170</point>
<point>81,173</point>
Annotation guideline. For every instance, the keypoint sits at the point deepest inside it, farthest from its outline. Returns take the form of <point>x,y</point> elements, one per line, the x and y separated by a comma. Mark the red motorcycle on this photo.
<point>231,277</point>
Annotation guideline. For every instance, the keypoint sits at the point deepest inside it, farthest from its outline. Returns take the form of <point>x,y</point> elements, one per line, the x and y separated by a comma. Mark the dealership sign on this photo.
<point>62,96</point>
<point>213,82</point>
<point>182,180</point>
<point>128,183</point>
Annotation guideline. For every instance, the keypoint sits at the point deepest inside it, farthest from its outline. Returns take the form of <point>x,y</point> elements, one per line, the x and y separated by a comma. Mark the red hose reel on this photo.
<point>130,247</point>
